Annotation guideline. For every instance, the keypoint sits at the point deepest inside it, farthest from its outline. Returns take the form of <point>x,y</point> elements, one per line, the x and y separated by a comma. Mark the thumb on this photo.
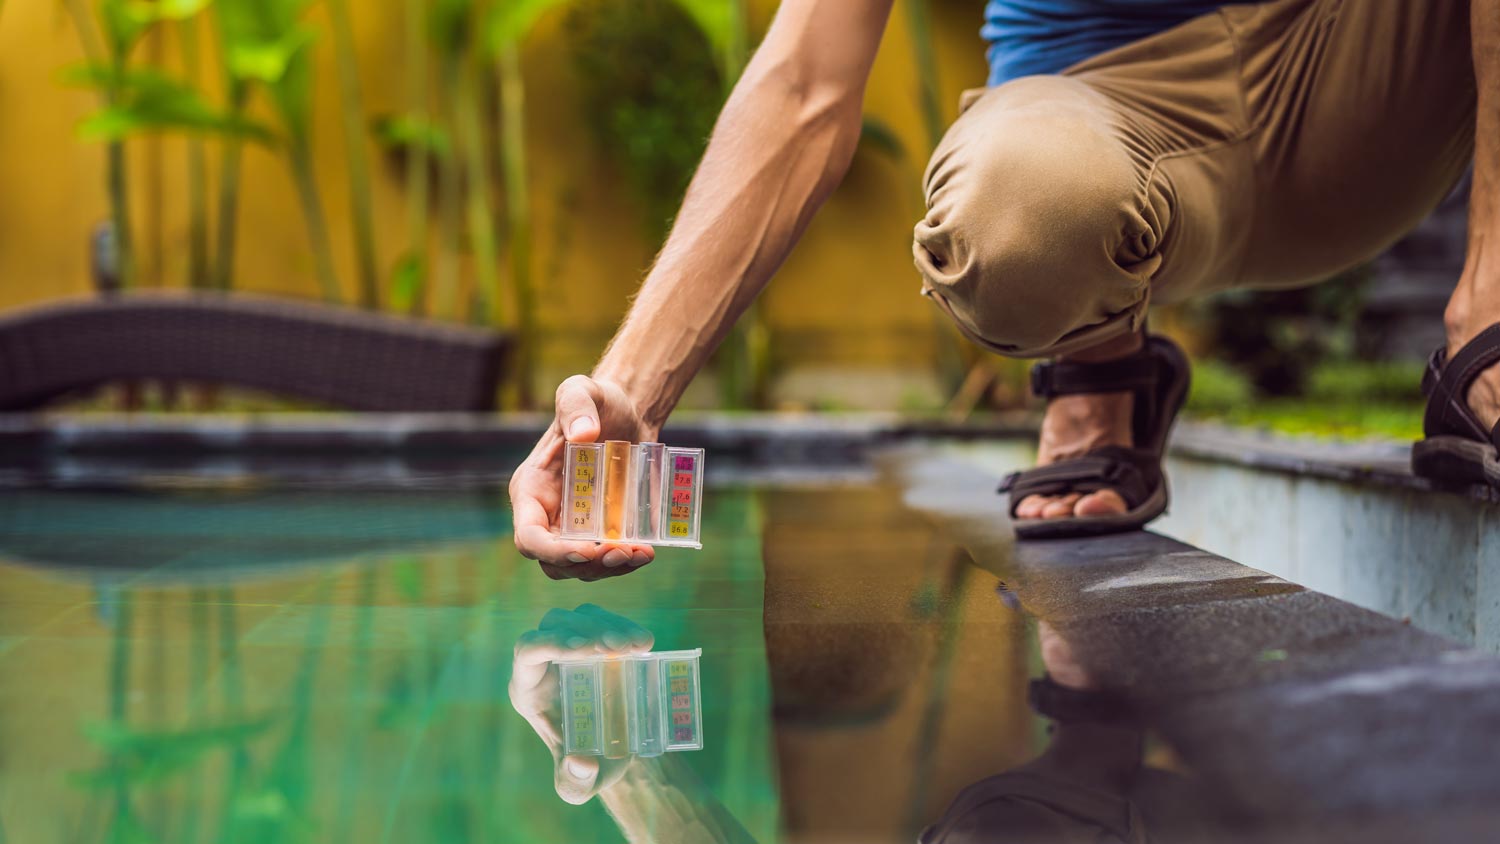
<point>575,777</point>
<point>577,412</point>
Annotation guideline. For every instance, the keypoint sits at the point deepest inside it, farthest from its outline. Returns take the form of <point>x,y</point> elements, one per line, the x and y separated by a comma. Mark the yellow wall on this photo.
<point>846,302</point>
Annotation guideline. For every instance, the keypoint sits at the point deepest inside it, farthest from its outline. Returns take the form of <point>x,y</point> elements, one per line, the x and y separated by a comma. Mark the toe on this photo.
<point>1060,507</point>
<point>1031,506</point>
<point>1105,502</point>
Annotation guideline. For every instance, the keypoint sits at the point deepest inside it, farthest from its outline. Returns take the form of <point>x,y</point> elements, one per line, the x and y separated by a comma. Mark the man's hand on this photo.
<point>588,410</point>
<point>570,634</point>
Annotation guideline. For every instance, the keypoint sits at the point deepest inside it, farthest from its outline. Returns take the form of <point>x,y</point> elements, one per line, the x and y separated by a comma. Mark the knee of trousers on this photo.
<point>1040,224</point>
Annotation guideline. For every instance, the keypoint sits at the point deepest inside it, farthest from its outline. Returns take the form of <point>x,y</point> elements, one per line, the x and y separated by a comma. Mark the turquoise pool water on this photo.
<point>282,666</point>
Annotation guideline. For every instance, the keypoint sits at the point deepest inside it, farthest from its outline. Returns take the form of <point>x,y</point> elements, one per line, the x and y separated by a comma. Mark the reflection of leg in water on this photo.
<point>1089,785</point>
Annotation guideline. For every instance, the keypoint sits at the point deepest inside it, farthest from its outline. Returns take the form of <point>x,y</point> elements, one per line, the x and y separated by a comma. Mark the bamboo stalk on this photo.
<point>116,178</point>
<point>312,211</point>
<point>417,160</point>
<point>450,213</point>
<point>518,212</point>
<point>481,218</point>
<point>360,193</point>
<point>197,170</point>
<point>229,197</point>
<point>929,91</point>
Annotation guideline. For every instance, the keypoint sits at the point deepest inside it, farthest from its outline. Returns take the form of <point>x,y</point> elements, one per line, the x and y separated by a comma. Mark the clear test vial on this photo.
<point>682,485</point>
<point>646,493</point>
<point>617,454</point>
<point>579,684</point>
<point>682,702</point>
<point>647,724</point>
<point>649,471</point>
<point>615,707</point>
<point>583,486</point>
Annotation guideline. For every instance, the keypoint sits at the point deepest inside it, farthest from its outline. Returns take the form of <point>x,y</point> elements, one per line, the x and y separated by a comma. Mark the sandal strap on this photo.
<point>1136,372</point>
<point>1067,705</point>
<point>1446,384</point>
<point>1133,473</point>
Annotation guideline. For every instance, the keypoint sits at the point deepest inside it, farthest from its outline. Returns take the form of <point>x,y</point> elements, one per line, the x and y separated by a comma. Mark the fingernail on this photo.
<point>579,425</point>
<point>577,642</point>
<point>639,559</point>
<point>576,557</point>
<point>614,640</point>
<point>613,557</point>
<point>577,769</point>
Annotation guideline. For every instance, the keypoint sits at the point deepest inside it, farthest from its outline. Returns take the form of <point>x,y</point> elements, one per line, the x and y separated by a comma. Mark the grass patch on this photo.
<point>1346,400</point>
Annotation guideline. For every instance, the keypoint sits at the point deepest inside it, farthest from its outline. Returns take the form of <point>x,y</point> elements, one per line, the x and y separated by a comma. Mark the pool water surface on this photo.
<point>309,666</point>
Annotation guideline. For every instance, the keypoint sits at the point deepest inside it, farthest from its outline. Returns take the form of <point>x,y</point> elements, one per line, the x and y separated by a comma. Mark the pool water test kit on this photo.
<point>646,493</point>
<point>638,705</point>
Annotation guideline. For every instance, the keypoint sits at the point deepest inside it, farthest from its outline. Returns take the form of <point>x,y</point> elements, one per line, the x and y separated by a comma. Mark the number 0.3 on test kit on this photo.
<point>645,493</point>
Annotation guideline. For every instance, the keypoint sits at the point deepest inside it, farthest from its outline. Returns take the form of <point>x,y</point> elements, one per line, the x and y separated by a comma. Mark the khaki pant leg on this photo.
<point>1363,112</point>
<point>1058,206</point>
<point>1265,145</point>
<point>1037,223</point>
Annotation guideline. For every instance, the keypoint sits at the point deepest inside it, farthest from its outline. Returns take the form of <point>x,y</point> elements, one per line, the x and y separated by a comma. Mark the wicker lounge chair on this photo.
<point>337,356</point>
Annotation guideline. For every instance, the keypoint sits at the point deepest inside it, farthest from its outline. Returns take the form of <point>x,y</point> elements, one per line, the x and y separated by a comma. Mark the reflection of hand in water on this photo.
<point>570,634</point>
<point>659,799</point>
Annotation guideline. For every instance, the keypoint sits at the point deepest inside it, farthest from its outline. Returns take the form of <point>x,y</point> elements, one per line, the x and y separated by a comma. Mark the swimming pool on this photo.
<point>258,664</point>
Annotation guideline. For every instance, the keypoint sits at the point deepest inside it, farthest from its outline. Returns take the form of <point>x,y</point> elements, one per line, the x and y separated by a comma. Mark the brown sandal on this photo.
<point>1458,449</point>
<point>1158,375</point>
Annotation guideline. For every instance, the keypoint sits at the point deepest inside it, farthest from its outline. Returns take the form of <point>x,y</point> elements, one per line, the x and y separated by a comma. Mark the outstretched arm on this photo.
<point>782,143</point>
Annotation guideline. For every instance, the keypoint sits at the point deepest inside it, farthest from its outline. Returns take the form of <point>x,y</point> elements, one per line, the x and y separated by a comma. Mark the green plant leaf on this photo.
<point>145,757</point>
<point>164,10</point>
<point>878,136</point>
<point>408,131</point>
<point>269,61</point>
<point>406,285</point>
<point>510,20</point>
<point>408,575</point>
<point>718,20</point>
<point>147,101</point>
<point>265,42</point>
<point>114,737</point>
<point>122,29</point>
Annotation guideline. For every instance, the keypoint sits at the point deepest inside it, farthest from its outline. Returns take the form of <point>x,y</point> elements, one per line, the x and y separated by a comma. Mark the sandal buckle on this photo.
<point>1041,379</point>
<point>1008,482</point>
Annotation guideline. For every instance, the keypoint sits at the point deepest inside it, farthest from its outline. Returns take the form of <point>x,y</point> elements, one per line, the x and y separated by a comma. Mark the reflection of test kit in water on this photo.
<point>642,705</point>
<point>646,493</point>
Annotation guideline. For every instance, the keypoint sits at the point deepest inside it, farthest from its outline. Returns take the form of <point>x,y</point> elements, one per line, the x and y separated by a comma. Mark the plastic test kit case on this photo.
<point>643,705</point>
<point>646,493</point>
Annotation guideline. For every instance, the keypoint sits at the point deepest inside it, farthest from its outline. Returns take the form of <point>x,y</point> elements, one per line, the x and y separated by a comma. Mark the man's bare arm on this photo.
<point>782,144</point>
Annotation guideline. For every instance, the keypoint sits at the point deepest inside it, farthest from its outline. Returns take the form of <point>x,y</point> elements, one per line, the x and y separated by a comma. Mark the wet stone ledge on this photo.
<point>1316,720</point>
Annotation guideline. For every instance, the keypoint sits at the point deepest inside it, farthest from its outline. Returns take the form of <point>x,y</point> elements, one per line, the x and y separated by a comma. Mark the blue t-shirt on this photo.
<point>1028,37</point>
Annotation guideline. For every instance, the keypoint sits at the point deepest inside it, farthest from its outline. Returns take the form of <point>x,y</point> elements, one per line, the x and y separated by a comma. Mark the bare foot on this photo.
<point>1075,424</point>
<point>1484,393</point>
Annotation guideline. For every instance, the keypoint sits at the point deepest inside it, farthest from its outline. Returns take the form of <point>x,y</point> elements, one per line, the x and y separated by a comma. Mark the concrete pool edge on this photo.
<point>1375,462</point>
<point>1300,705</point>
